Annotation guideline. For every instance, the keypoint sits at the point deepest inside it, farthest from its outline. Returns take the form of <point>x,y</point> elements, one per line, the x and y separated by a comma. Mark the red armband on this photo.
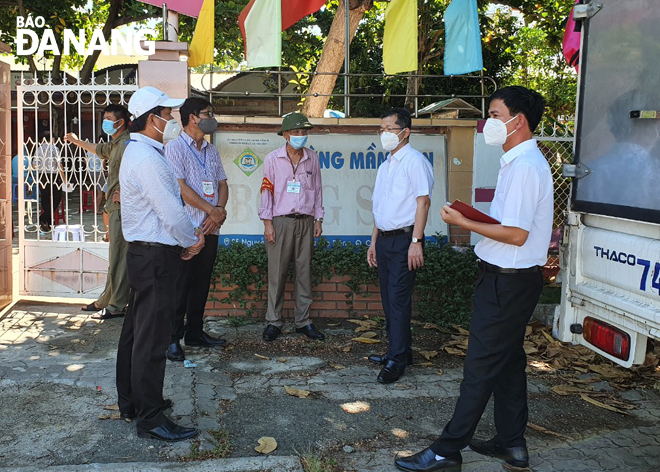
<point>267,185</point>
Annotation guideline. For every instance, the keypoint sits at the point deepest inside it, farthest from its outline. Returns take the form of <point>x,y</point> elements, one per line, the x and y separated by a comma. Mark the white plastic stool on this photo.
<point>62,232</point>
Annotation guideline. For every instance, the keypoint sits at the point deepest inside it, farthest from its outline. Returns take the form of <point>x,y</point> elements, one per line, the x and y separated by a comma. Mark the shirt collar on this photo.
<point>186,137</point>
<point>401,153</point>
<point>281,152</point>
<point>142,138</point>
<point>521,148</point>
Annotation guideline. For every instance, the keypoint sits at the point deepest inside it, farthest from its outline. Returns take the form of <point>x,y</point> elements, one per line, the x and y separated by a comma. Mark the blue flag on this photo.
<point>462,38</point>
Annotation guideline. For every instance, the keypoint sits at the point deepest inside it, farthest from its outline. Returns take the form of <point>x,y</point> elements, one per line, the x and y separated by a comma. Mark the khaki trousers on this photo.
<point>294,242</point>
<point>115,295</point>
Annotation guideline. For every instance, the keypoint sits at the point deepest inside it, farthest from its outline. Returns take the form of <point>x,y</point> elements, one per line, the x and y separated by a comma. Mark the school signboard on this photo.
<point>349,163</point>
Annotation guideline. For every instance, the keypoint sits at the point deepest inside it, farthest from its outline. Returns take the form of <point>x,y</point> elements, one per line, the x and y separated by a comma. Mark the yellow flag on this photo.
<point>201,47</point>
<point>400,37</point>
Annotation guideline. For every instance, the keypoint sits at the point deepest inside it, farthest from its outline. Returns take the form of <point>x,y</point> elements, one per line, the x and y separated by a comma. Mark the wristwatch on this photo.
<point>319,219</point>
<point>415,240</point>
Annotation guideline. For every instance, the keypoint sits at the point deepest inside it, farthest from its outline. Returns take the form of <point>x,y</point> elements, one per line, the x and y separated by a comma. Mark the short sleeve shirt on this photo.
<point>201,169</point>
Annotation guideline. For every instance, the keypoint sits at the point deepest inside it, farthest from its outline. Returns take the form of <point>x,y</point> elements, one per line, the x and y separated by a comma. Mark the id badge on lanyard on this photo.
<point>293,187</point>
<point>208,188</point>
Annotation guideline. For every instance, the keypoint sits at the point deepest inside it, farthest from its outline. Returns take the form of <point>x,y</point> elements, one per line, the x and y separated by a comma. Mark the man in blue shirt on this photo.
<point>160,234</point>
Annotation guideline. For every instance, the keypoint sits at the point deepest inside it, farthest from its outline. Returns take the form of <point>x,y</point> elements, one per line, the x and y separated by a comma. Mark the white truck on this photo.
<point>610,250</point>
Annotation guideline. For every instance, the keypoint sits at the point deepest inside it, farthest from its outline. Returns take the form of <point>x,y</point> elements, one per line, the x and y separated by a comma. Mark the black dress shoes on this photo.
<point>175,352</point>
<point>311,332</point>
<point>204,340</point>
<point>382,360</point>
<point>271,333</point>
<point>129,417</point>
<point>169,431</point>
<point>516,456</point>
<point>390,373</point>
<point>425,461</point>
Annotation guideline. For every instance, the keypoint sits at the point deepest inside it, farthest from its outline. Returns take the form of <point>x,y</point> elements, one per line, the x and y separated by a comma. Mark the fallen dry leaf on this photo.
<point>296,392</point>
<point>111,416</point>
<point>430,326</point>
<point>455,352</point>
<point>365,323</point>
<point>611,372</point>
<point>337,366</point>
<point>347,349</point>
<point>114,407</point>
<point>259,356</point>
<point>424,364</point>
<point>602,405</point>
<point>369,335</point>
<point>282,359</point>
<point>543,430</point>
<point>428,355</point>
<point>462,331</point>
<point>362,329</point>
<point>334,325</point>
<point>266,445</point>
<point>365,340</point>
<point>439,372</point>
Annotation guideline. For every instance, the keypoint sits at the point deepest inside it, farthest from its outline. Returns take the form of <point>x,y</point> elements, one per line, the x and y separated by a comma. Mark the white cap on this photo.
<point>148,98</point>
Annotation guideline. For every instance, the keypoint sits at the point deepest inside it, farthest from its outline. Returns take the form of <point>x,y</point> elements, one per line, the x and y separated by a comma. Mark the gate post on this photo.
<point>165,71</point>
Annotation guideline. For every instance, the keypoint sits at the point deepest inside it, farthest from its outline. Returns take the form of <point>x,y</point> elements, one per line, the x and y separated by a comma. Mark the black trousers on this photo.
<point>194,284</point>
<point>51,196</point>
<point>152,277</point>
<point>495,362</point>
<point>396,291</point>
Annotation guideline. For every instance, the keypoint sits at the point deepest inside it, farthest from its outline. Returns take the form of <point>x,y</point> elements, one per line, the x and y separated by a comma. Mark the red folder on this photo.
<point>472,213</point>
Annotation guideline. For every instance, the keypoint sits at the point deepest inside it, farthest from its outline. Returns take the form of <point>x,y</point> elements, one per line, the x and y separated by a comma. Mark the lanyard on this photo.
<point>203,164</point>
<point>294,168</point>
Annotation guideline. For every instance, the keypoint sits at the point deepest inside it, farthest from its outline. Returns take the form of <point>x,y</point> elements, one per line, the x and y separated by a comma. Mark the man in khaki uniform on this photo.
<point>112,302</point>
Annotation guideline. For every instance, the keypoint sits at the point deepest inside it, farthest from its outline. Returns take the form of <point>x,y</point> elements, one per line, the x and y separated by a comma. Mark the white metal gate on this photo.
<point>61,245</point>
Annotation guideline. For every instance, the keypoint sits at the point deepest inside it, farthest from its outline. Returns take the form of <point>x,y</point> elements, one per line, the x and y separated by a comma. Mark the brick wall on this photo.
<point>330,300</point>
<point>458,235</point>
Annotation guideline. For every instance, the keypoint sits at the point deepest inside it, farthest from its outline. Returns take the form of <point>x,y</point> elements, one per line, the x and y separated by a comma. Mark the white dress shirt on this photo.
<point>523,199</point>
<point>402,178</point>
<point>151,204</point>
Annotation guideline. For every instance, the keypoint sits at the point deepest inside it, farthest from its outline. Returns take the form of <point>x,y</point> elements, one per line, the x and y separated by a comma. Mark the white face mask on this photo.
<point>390,141</point>
<point>172,129</point>
<point>495,131</point>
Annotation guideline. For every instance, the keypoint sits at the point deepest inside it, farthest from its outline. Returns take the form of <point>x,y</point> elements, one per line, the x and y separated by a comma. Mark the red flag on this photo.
<point>292,12</point>
<point>571,43</point>
<point>295,10</point>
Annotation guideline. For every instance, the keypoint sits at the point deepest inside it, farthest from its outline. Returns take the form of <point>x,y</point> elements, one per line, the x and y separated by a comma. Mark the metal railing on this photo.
<point>276,82</point>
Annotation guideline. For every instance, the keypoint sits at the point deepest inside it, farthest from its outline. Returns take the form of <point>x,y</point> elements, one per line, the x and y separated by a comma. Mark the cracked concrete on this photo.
<point>57,373</point>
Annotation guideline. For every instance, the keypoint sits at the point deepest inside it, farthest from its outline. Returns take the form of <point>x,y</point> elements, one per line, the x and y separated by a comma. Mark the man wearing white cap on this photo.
<point>159,234</point>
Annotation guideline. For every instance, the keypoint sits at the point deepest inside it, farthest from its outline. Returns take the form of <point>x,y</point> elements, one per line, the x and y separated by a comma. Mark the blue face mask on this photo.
<point>108,127</point>
<point>298,142</point>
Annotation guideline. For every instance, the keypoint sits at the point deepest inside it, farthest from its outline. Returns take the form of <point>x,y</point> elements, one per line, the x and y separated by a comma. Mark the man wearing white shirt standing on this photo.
<point>507,291</point>
<point>160,234</point>
<point>401,202</point>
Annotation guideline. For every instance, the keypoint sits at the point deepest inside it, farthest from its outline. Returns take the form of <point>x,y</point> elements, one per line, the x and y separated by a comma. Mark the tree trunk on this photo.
<point>332,57</point>
<point>90,62</point>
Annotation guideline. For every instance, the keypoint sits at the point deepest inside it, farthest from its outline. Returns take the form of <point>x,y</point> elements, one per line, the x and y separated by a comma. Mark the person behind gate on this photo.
<point>292,211</point>
<point>401,202</point>
<point>508,288</point>
<point>160,234</point>
<point>197,167</point>
<point>112,302</point>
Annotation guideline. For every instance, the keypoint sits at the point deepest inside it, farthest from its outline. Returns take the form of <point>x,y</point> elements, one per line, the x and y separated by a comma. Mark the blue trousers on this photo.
<point>396,291</point>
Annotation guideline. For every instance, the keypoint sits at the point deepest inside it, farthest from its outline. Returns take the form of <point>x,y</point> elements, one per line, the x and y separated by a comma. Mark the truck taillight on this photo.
<point>606,337</point>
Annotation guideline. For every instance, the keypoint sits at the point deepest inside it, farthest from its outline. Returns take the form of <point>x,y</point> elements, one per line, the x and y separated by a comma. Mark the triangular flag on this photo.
<point>261,25</point>
<point>571,43</point>
<point>295,10</point>
<point>462,38</point>
<point>400,43</point>
<point>201,47</point>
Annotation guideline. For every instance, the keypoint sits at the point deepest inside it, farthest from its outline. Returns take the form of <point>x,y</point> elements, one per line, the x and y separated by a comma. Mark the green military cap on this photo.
<point>294,121</point>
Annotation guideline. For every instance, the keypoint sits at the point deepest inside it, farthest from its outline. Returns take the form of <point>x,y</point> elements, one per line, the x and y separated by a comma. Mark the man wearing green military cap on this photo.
<point>292,211</point>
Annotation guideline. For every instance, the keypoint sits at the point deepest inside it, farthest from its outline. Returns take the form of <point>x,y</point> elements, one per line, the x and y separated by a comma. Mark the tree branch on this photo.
<point>124,20</point>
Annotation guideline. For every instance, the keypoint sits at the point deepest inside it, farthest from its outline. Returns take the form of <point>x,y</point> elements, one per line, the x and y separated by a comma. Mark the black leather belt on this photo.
<point>395,232</point>
<point>297,216</point>
<point>487,267</point>
<point>158,245</point>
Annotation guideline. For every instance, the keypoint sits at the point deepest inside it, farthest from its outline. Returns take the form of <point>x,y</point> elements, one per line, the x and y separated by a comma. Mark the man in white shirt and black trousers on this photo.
<point>160,234</point>
<point>508,288</point>
<point>401,202</point>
